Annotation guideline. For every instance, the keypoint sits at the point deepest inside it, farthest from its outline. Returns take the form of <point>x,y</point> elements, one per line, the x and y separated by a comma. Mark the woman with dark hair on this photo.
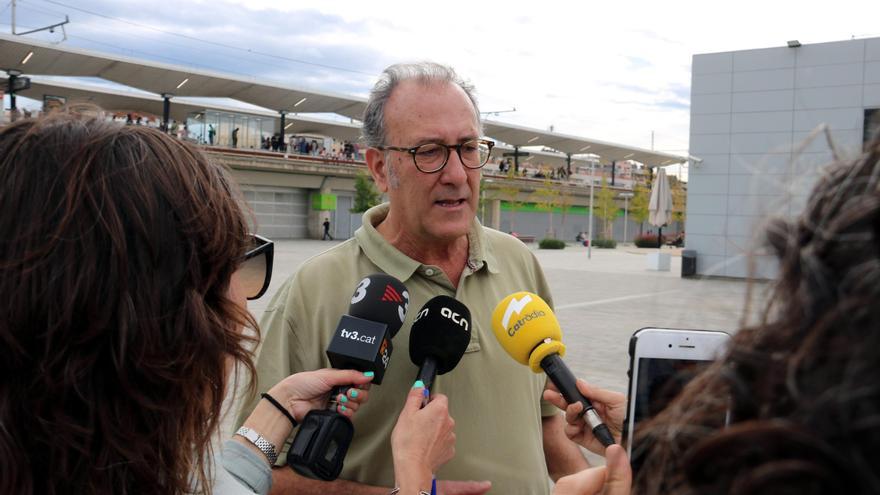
<point>802,387</point>
<point>125,268</point>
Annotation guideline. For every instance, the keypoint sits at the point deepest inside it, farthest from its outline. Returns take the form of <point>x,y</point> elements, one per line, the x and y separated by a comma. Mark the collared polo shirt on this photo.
<point>496,402</point>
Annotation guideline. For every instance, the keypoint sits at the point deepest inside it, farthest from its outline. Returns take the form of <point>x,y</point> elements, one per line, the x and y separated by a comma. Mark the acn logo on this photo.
<point>391,295</point>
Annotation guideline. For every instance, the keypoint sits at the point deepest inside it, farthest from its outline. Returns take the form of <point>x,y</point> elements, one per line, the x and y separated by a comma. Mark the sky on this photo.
<point>614,71</point>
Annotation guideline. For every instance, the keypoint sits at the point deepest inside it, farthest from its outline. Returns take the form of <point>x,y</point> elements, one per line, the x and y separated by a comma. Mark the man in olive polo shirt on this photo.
<point>423,131</point>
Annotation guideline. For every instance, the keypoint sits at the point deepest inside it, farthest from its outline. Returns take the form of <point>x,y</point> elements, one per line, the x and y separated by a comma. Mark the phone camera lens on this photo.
<point>670,346</point>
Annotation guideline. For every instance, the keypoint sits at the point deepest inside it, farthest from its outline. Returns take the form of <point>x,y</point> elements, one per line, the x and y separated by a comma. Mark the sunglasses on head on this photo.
<point>255,271</point>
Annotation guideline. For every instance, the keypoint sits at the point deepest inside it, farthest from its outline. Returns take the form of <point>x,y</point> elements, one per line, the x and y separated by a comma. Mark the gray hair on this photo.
<point>424,72</point>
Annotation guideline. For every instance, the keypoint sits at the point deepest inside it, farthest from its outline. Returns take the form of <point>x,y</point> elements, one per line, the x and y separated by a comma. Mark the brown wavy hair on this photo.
<point>117,245</point>
<point>803,385</point>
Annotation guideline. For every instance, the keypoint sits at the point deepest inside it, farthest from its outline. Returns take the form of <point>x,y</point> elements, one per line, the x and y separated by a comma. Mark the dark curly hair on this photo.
<point>803,385</point>
<point>117,245</point>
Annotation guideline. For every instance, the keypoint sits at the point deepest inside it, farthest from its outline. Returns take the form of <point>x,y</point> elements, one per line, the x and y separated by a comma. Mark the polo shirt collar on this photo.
<point>400,266</point>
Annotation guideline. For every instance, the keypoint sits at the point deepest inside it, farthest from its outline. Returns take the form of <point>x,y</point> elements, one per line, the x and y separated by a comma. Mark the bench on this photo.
<point>526,238</point>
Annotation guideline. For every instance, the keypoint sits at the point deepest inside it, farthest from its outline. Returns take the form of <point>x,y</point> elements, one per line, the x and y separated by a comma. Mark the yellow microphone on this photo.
<point>529,332</point>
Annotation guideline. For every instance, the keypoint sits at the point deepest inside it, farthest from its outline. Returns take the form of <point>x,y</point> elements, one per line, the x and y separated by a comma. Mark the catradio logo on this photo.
<point>516,306</point>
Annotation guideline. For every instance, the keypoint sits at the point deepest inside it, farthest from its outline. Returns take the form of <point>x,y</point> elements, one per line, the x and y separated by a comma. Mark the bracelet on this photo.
<point>396,490</point>
<point>260,443</point>
<point>280,408</point>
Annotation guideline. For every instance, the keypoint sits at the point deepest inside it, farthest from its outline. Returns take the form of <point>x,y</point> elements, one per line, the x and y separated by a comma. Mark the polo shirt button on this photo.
<point>429,272</point>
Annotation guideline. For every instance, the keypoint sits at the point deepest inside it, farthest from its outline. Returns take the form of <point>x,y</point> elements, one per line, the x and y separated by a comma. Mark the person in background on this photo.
<point>125,273</point>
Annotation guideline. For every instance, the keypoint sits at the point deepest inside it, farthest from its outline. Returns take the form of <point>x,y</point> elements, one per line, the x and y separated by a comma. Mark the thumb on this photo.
<point>335,377</point>
<point>619,477</point>
<point>414,399</point>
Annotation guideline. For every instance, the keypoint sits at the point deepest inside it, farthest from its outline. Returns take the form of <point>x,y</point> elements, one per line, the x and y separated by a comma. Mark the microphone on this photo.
<point>361,341</point>
<point>439,337</point>
<point>528,330</point>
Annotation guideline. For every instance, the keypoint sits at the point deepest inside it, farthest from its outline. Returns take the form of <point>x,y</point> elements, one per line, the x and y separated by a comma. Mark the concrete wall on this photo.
<point>752,113</point>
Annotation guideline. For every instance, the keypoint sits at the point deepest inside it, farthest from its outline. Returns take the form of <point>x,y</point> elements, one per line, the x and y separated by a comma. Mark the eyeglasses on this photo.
<point>255,271</point>
<point>432,157</point>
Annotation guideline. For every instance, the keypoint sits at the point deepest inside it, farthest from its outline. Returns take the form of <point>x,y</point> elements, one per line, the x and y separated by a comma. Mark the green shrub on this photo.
<point>647,241</point>
<point>551,244</point>
<point>605,243</point>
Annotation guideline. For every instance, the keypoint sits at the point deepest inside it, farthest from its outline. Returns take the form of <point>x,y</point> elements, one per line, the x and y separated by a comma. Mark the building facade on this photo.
<point>758,131</point>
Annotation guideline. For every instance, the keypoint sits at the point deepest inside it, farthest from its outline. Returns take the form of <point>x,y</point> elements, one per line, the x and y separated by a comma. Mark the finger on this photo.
<point>573,431</point>
<point>455,487</point>
<point>555,398</point>
<point>573,413</point>
<point>586,482</point>
<point>619,478</point>
<point>413,400</point>
<point>342,399</point>
<point>357,395</point>
<point>334,377</point>
<point>606,397</point>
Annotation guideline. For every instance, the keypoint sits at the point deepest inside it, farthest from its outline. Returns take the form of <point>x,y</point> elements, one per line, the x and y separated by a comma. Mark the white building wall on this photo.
<point>751,114</point>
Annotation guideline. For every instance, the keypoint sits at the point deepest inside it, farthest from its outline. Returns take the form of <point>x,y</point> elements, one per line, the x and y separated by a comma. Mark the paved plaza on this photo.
<point>600,301</point>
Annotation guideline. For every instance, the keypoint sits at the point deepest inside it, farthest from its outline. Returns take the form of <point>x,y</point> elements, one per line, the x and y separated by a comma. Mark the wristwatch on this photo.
<point>259,442</point>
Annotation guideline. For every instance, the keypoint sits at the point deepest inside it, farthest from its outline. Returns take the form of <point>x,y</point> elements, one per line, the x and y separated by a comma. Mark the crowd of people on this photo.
<point>127,263</point>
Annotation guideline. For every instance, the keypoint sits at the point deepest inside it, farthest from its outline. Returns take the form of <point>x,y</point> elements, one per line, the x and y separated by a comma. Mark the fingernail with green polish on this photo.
<point>342,408</point>
<point>343,399</point>
<point>418,384</point>
<point>354,394</point>
<point>368,373</point>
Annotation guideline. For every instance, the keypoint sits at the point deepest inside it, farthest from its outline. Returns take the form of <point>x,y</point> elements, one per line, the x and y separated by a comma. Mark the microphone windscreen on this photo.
<point>443,330</point>
<point>521,322</point>
<point>381,298</point>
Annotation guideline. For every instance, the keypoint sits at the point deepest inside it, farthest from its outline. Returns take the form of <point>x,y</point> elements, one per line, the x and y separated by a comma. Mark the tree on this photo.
<point>547,199</point>
<point>511,192</point>
<point>565,202</point>
<point>365,194</point>
<point>638,207</point>
<point>606,208</point>
<point>679,202</point>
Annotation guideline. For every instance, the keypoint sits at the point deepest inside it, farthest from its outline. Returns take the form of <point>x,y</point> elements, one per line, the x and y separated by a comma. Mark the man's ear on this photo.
<point>378,168</point>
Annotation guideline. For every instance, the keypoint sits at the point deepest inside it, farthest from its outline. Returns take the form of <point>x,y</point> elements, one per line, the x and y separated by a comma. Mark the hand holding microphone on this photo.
<point>423,440</point>
<point>362,342</point>
<point>610,405</point>
<point>528,330</point>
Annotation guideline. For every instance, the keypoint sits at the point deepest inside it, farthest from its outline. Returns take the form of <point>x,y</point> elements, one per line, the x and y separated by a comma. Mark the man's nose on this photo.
<point>454,172</point>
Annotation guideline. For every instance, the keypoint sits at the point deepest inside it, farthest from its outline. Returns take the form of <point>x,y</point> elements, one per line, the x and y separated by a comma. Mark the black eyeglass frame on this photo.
<point>414,150</point>
<point>266,247</point>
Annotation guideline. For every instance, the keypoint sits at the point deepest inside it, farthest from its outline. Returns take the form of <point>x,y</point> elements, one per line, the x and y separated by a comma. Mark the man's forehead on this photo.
<point>412,97</point>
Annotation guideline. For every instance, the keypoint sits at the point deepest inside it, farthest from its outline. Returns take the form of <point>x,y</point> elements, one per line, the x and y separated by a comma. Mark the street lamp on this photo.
<point>625,197</point>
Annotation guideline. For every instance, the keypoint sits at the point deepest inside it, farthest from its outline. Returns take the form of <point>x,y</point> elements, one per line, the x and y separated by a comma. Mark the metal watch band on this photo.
<point>396,490</point>
<point>259,442</point>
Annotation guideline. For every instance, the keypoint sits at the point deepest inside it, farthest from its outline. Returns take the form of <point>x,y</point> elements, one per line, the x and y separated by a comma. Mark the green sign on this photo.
<point>324,202</point>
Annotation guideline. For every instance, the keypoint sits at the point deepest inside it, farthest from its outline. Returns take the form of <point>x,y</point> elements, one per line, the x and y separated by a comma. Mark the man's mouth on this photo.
<point>449,203</point>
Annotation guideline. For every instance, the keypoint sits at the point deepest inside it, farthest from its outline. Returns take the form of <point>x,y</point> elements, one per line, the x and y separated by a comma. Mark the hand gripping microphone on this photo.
<point>439,337</point>
<point>361,341</point>
<point>528,330</point>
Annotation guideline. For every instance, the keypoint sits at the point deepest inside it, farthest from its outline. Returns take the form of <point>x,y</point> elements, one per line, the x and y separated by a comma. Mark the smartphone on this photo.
<point>662,361</point>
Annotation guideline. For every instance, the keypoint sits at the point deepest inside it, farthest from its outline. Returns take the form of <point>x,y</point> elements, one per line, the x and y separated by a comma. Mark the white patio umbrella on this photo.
<point>660,206</point>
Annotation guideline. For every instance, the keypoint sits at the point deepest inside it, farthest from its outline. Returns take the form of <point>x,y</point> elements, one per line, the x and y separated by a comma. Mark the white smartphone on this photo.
<point>662,361</point>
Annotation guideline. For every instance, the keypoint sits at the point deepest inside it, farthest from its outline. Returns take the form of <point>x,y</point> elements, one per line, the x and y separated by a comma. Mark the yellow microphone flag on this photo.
<point>522,322</point>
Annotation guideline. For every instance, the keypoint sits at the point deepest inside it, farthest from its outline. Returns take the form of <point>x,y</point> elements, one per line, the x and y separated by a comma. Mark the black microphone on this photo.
<point>439,337</point>
<point>361,341</point>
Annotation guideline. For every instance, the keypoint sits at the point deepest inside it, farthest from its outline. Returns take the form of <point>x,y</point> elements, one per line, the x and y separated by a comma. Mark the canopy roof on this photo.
<point>33,57</point>
<point>515,135</point>
<point>128,101</point>
<point>158,78</point>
